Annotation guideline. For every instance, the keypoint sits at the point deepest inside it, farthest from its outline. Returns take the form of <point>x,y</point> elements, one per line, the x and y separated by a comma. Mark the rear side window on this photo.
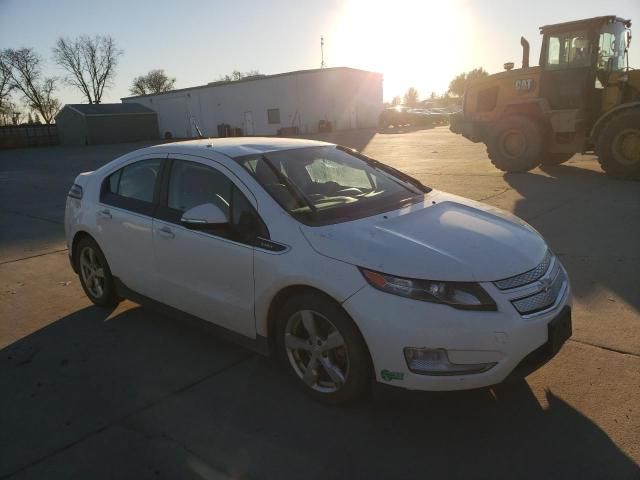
<point>136,181</point>
<point>133,187</point>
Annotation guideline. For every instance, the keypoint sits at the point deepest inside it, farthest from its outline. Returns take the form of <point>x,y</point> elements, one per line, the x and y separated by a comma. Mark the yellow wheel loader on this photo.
<point>583,97</point>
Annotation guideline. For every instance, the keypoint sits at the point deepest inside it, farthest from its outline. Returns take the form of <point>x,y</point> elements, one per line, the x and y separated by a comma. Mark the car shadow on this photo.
<point>406,129</point>
<point>590,220</point>
<point>134,394</point>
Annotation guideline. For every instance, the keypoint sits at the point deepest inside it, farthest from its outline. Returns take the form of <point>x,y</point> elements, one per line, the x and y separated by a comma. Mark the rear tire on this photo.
<point>553,159</point>
<point>618,146</point>
<point>95,274</point>
<point>516,144</point>
<point>322,349</point>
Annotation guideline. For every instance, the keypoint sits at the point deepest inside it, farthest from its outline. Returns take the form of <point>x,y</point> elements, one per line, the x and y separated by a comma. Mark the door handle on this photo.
<point>165,232</point>
<point>106,214</point>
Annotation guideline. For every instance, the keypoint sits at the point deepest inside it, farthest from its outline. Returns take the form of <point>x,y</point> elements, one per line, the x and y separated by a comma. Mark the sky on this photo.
<point>419,43</point>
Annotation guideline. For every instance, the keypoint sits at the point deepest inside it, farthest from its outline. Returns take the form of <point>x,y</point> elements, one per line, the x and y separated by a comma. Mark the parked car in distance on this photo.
<point>394,116</point>
<point>344,268</point>
<point>400,116</point>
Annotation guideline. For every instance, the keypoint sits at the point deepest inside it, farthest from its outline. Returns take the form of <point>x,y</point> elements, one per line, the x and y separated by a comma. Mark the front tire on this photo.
<point>618,146</point>
<point>95,275</point>
<point>323,349</point>
<point>516,144</point>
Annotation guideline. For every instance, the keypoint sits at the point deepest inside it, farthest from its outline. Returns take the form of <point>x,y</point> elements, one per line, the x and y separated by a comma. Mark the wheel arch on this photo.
<point>79,235</point>
<point>602,121</point>
<point>533,109</point>
<point>280,298</point>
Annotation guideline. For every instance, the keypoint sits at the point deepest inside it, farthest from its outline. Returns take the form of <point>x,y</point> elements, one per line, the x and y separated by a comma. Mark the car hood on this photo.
<point>444,237</point>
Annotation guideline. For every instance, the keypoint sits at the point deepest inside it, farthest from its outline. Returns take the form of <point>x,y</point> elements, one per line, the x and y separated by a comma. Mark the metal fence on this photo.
<point>28,136</point>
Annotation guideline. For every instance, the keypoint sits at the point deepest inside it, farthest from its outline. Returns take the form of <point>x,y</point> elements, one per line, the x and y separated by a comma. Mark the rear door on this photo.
<point>124,218</point>
<point>208,274</point>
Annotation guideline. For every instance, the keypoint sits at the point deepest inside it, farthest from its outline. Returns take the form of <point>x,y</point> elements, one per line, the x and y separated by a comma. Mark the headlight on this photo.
<point>462,295</point>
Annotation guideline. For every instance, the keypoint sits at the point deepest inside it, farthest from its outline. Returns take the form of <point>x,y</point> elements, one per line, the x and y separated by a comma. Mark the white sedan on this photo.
<point>344,268</point>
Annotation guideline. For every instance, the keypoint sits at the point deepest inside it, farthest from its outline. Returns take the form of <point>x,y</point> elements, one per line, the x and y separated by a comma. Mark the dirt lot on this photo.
<point>89,393</point>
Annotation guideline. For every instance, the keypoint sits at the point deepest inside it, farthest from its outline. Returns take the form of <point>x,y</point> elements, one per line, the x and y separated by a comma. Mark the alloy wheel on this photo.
<point>317,351</point>
<point>92,271</point>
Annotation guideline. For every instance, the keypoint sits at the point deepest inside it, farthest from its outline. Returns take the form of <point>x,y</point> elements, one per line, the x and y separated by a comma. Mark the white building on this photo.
<point>262,105</point>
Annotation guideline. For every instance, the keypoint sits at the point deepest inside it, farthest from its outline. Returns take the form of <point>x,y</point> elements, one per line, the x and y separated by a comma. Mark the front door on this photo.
<point>208,274</point>
<point>248,123</point>
<point>567,77</point>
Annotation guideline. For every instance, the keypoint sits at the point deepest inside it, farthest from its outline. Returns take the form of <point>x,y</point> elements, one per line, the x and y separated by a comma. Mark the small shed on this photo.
<point>94,124</point>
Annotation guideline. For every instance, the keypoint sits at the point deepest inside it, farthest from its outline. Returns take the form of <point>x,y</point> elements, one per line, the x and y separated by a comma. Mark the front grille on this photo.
<point>543,299</point>
<point>526,277</point>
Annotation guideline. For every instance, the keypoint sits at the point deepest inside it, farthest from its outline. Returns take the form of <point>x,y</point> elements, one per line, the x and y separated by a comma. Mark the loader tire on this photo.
<point>618,145</point>
<point>516,144</point>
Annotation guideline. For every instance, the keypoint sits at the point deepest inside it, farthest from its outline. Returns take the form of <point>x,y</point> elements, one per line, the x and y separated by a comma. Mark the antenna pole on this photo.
<point>322,64</point>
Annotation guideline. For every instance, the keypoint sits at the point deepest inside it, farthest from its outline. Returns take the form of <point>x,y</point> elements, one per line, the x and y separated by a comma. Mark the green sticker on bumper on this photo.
<point>388,375</point>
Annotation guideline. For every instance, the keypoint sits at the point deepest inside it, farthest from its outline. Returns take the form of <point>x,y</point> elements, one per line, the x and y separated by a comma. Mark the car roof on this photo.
<point>239,146</point>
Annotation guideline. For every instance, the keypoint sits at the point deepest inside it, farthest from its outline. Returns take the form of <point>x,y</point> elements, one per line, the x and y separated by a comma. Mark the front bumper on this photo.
<point>517,345</point>
<point>468,129</point>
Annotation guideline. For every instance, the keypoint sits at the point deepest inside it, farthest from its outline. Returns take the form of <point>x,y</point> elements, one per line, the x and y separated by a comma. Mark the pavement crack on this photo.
<point>495,194</point>
<point>122,420</point>
<point>610,349</point>
<point>35,217</point>
<point>33,256</point>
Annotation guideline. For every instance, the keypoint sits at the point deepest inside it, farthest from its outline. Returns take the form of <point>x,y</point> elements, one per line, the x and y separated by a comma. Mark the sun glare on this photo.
<point>416,43</point>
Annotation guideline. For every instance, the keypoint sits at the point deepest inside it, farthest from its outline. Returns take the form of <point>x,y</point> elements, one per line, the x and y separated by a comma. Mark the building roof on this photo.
<point>240,146</point>
<point>92,110</point>
<point>254,78</point>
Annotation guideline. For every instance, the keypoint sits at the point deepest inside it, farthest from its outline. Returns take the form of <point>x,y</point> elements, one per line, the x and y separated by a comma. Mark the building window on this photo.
<point>273,115</point>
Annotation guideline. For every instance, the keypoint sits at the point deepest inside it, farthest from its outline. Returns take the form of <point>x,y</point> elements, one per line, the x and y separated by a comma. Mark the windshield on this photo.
<point>320,185</point>
<point>611,47</point>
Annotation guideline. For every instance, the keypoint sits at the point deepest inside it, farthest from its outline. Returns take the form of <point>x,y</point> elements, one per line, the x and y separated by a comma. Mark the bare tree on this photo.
<point>156,81</point>
<point>5,87</point>
<point>90,63</point>
<point>25,75</point>
<point>411,97</point>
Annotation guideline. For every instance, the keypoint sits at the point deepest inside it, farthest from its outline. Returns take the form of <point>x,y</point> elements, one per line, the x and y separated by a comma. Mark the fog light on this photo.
<point>435,361</point>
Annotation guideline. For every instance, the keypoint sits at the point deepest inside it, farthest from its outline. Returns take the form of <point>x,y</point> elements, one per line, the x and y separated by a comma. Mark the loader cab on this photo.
<point>576,57</point>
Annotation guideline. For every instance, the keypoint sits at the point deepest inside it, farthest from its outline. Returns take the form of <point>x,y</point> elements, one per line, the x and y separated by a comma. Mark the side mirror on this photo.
<point>202,217</point>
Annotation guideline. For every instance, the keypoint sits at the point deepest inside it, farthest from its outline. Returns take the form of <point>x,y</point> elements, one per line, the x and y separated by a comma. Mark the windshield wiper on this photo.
<point>291,187</point>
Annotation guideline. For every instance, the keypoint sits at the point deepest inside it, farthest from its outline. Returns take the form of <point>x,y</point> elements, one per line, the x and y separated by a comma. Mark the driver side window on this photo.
<point>566,50</point>
<point>191,184</point>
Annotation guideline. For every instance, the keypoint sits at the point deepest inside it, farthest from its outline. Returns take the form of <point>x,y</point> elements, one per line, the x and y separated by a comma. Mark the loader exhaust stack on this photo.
<point>525,52</point>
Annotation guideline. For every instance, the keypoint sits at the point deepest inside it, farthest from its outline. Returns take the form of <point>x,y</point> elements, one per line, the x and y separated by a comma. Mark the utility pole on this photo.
<point>322,64</point>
